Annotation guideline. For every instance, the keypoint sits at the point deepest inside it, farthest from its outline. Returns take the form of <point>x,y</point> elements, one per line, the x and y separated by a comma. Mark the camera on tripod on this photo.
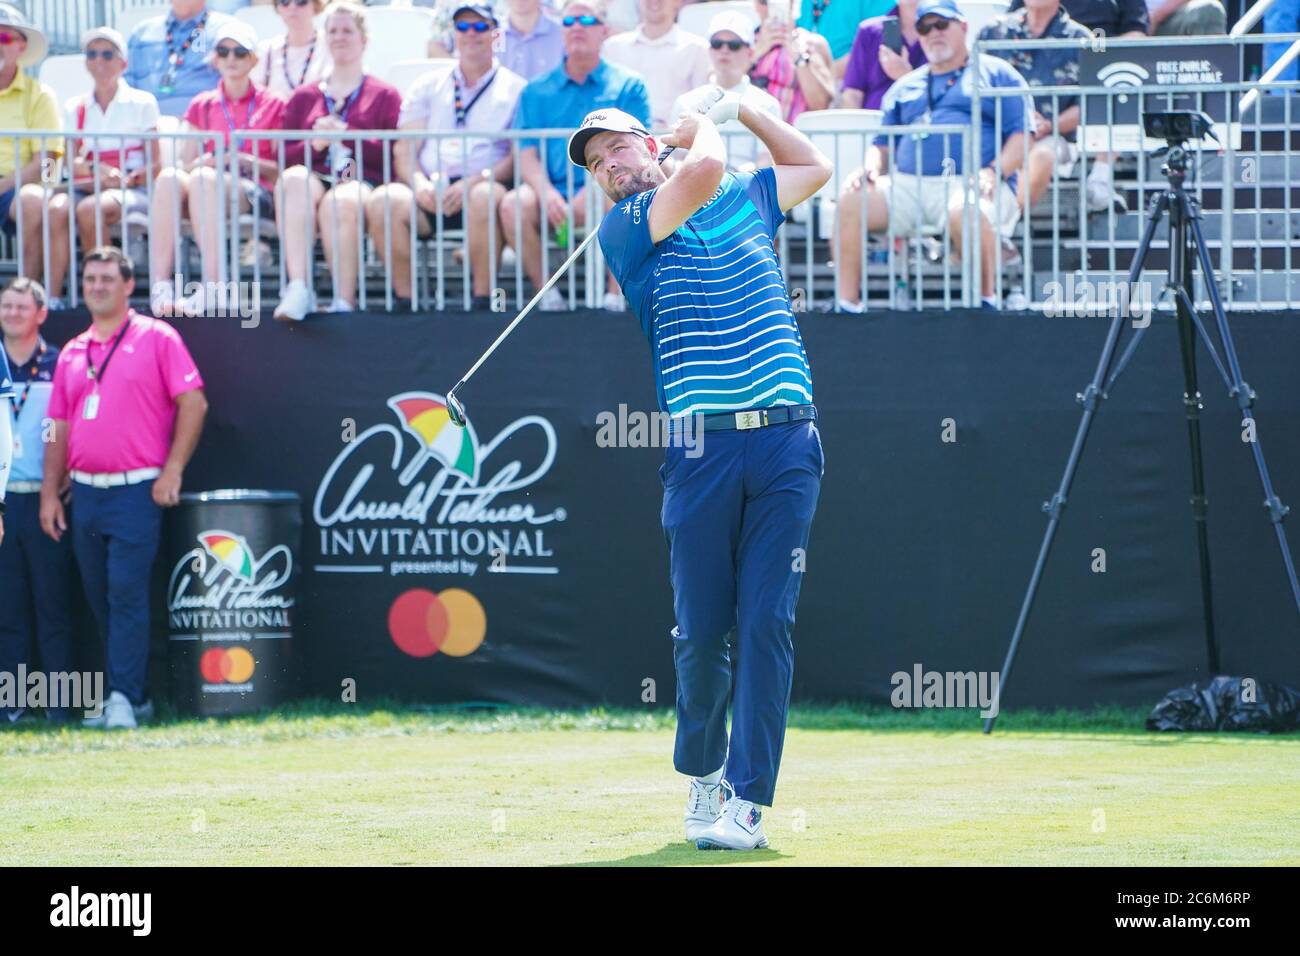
<point>1177,126</point>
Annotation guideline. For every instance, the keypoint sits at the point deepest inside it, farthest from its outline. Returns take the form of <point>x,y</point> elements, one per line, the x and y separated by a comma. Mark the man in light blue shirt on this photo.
<point>924,189</point>
<point>552,188</point>
<point>168,56</point>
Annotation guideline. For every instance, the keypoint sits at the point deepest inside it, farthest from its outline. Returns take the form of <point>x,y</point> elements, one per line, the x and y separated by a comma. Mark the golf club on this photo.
<point>456,410</point>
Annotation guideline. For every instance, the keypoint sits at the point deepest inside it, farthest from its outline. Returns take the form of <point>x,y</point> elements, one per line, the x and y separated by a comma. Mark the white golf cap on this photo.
<point>237,30</point>
<point>104,33</point>
<point>733,21</point>
<point>601,121</point>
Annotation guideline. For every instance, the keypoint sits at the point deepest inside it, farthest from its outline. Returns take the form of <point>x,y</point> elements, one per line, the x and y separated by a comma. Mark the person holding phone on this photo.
<point>790,63</point>
<point>885,50</point>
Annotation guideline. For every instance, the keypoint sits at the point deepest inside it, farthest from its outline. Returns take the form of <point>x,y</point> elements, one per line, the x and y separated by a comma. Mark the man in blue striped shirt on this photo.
<point>694,253</point>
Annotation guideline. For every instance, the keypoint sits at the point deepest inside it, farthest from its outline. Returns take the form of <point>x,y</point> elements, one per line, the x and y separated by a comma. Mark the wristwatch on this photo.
<point>803,58</point>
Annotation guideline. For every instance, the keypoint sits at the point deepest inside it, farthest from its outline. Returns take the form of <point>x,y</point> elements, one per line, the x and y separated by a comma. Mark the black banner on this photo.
<point>522,561</point>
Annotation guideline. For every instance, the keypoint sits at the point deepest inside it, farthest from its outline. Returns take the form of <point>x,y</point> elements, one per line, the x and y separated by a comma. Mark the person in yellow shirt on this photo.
<point>33,162</point>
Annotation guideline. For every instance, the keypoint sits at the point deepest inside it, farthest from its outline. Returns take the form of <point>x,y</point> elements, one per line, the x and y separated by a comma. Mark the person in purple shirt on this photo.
<point>873,67</point>
<point>531,42</point>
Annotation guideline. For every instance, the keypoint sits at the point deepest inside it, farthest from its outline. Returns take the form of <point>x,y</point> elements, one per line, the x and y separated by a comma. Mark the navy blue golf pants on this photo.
<point>35,590</point>
<point>115,535</point>
<point>737,518</point>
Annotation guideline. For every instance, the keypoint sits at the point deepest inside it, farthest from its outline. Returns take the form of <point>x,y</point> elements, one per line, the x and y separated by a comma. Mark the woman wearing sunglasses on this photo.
<point>237,107</point>
<point>790,63</point>
<point>326,181</point>
<point>298,58</point>
<point>731,50</point>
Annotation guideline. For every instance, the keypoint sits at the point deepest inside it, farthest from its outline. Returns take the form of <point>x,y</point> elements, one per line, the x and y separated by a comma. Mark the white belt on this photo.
<point>114,479</point>
<point>24,487</point>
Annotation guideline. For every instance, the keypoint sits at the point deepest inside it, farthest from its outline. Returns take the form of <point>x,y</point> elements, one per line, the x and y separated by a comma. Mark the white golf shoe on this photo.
<point>739,827</point>
<point>703,807</point>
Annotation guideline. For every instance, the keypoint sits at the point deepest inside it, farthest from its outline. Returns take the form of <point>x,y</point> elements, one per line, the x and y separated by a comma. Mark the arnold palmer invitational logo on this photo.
<point>417,495</point>
<point>223,586</point>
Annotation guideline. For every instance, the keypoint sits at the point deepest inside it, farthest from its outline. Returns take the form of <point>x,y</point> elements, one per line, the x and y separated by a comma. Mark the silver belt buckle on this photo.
<point>747,420</point>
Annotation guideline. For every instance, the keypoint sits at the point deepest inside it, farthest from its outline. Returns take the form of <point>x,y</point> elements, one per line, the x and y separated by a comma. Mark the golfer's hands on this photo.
<point>54,520</point>
<point>713,102</point>
<point>557,210</point>
<point>895,65</point>
<point>167,489</point>
<point>683,134</point>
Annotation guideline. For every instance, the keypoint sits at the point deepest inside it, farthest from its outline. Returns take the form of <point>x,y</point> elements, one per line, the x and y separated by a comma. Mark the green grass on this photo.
<point>320,783</point>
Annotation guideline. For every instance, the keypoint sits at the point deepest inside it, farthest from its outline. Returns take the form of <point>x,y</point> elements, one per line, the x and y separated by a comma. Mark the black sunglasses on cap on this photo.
<point>937,23</point>
<point>225,51</point>
<point>732,45</point>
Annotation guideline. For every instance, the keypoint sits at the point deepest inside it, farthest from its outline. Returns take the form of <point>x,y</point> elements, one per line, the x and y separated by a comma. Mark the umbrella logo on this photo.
<point>231,552</point>
<point>425,417</point>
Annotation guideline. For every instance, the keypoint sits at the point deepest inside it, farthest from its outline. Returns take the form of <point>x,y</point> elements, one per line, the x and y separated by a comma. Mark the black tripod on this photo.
<point>1186,247</point>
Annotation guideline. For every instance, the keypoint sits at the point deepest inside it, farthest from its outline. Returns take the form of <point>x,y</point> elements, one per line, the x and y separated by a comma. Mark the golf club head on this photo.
<point>455,410</point>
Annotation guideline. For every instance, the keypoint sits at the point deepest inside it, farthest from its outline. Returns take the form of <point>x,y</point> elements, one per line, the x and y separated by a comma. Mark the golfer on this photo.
<point>694,255</point>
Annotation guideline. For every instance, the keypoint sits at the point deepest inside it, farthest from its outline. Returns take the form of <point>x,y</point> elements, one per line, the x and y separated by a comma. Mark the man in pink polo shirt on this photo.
<point>128,408</point>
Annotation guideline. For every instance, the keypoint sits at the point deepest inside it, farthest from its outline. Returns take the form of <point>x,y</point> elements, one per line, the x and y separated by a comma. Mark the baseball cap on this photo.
<point>940,8</point>
<point>733,21</point>
<point>104,33</point>
<point>237,30</point>
<point>482,9</point>
<point>601,121</point>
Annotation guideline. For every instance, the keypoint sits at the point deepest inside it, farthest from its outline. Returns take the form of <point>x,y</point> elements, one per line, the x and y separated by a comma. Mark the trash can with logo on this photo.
<point>232,600</point>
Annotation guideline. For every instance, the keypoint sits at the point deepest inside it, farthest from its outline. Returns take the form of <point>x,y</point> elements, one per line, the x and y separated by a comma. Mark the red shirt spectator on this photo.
<point>375,105</point>
<point>258,109</point>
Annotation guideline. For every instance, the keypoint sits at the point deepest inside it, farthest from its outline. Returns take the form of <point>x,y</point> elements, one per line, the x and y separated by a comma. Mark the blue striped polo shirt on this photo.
<point>712,301</point>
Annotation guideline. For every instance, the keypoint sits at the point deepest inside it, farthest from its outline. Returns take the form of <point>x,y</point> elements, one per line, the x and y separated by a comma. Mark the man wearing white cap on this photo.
<point>694,253</point>
<point>24,104</point>
<point>109,174</point>
<point>731,50</point>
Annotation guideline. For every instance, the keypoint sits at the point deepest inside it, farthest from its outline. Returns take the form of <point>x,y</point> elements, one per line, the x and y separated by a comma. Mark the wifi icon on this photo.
<point>1126,74</point>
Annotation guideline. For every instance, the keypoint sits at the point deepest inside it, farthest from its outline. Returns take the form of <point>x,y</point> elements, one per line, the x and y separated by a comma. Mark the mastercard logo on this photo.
<point>422,623</point>
<point>226,665</point>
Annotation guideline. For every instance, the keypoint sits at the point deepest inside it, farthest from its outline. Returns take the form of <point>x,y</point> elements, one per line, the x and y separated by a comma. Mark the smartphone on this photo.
<point>890,35</point>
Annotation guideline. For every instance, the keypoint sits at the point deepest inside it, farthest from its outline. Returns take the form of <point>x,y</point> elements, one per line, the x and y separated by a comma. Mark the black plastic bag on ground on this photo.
<point>1228,703</point>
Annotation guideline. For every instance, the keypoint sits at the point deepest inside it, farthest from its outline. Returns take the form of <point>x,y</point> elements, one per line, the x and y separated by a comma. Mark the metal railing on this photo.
<point>235,251</point>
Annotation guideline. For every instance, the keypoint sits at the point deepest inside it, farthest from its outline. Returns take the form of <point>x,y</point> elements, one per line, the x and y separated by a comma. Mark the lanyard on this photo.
<point>463,111</point>
<point>311,51</point>
<point>98,376</point>
<point>347,103</point>
<point>929,90</point>
<point>175,57</point>
<point>230,119</point>
<point>36,367</point>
